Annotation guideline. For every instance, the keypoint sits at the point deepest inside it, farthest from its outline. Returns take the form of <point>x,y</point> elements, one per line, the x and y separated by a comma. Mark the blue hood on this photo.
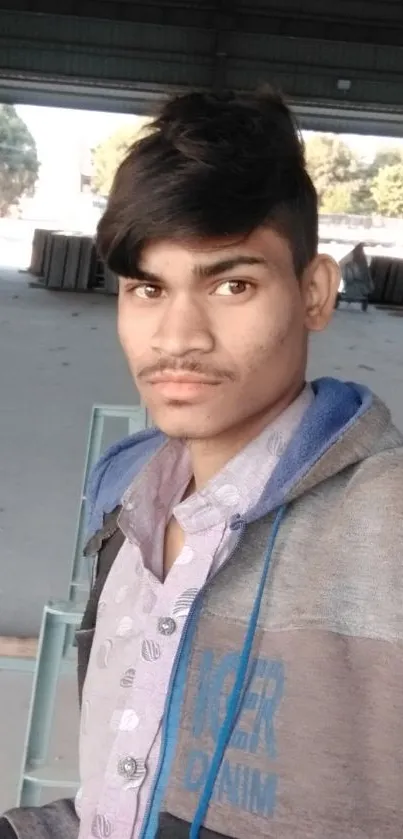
<point>336,407</point>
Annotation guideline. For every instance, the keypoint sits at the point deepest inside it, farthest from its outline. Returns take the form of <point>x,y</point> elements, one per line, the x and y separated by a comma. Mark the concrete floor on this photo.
<point>59,355</point>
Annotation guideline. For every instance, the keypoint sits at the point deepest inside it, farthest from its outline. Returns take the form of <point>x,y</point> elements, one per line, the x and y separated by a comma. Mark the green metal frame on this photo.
<point>36,775</point>
<point>60,620</point>
<point>137,419</point>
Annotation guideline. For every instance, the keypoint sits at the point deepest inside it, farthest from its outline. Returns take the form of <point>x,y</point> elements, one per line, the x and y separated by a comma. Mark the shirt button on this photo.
<point>166,626</point>
<point>127,768</point>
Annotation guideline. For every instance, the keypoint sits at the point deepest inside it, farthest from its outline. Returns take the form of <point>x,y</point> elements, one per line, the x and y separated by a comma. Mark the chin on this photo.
<point>185,424</point>
<point>186,431</point>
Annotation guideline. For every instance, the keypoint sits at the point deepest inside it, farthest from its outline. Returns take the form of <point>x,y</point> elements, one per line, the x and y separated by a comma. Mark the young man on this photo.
<point>242,647</point>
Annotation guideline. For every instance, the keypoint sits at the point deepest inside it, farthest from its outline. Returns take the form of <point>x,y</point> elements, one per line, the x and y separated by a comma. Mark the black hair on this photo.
<point>212,166</point>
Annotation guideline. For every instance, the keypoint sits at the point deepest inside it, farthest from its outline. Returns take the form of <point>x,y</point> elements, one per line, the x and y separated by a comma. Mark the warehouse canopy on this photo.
<point>341,64</point>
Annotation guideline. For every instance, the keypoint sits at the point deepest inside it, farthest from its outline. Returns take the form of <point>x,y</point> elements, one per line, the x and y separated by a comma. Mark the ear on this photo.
<point>320,285</point>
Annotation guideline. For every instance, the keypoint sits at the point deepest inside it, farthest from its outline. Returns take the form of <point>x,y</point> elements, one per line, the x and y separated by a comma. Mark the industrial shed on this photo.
<point>341,64</point>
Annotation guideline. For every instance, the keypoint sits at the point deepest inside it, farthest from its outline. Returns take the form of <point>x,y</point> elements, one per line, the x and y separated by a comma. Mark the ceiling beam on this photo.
<point>147,57</point>
<point>312,116</point>
<point>327,21</point>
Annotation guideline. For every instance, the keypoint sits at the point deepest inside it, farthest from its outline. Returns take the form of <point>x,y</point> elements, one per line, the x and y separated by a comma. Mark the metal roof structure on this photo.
<point>341,64</point>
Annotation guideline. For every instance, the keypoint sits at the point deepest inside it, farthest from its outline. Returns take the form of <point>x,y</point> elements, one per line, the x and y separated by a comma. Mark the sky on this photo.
<point>54,129</point>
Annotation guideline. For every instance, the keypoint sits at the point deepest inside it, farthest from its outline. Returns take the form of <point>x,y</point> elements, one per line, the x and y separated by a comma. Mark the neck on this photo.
<point>209,456</point>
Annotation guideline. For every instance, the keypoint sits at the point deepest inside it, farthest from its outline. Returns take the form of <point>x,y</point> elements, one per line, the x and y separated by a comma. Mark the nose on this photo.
<point>183,328</point>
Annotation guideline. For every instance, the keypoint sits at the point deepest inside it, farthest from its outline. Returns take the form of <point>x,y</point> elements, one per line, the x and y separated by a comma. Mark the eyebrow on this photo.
<point>206,272</point>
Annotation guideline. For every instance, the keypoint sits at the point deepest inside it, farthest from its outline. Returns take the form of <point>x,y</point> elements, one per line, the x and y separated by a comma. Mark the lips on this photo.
<point>182,387</point>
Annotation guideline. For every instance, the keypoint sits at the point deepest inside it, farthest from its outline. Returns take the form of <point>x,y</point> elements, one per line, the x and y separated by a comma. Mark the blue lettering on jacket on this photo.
<point>239,784</point>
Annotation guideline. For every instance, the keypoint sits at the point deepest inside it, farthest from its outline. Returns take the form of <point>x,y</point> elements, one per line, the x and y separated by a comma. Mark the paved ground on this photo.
<point>59,355</point>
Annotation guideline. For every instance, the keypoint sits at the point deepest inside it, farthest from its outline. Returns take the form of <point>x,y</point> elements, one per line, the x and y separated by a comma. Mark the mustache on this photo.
<point>171,365</point>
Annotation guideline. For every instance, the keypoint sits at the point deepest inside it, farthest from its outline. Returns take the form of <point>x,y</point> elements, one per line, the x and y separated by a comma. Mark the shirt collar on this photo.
<point>237,488</point>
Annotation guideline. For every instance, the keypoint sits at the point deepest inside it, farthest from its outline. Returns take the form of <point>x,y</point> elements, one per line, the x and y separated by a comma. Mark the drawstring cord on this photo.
<point>233,704</point>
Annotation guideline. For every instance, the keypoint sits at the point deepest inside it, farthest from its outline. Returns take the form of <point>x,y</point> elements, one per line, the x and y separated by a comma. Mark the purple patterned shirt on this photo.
<point>141,617</point>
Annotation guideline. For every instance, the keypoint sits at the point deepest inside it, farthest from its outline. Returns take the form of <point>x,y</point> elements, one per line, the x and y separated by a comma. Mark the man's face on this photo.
<point>215,333</point>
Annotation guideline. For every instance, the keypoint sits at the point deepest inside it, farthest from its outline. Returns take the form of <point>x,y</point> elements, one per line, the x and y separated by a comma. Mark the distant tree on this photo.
<point>337,199</point>
<point>108,155</point>
<point>19,165</point>
<point>387,190</point>
<point>385,157</point>
<point>362,202</point>
<point>362,197</point>
<point>332,163</point>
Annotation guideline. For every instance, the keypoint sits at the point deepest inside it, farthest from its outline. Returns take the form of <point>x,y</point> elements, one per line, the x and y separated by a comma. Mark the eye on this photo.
<point>147,291</point>
<point>232,287</point>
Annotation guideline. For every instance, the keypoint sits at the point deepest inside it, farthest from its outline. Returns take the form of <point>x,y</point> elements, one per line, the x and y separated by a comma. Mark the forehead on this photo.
<point>265,245</point>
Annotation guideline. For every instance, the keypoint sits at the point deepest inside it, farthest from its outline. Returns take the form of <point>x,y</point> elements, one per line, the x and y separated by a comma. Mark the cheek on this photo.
<point>274,335</point>
<point>129,330</point>
<point>123,332</point>
<point>129,342</point>
<point>121,319</point>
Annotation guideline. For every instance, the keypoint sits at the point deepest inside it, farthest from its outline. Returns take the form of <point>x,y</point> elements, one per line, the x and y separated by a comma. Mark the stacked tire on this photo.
<point>41,245</point>
<point>387,276</point>
<point>68,262</point>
